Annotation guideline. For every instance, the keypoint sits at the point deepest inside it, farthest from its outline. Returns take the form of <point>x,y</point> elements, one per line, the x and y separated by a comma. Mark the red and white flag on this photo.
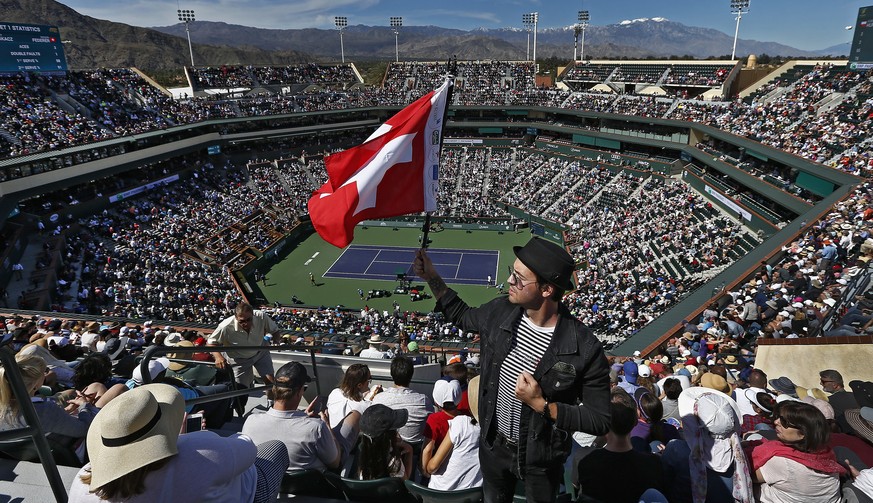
<point>394,172</point>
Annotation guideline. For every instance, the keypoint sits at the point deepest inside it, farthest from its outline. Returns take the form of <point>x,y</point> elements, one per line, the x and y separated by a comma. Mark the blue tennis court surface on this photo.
<point>466,267</point>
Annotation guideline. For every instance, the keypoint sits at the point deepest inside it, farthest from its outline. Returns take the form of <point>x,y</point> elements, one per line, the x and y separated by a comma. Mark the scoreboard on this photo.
<point>31,48</point>
<point>861,57</point>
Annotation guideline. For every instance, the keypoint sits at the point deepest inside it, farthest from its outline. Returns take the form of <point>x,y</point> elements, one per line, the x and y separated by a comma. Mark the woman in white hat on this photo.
<point>709,465</point>
<point>138,455</point>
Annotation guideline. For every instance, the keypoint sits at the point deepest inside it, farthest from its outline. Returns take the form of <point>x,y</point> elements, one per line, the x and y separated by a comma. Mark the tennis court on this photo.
<point>376,262</point>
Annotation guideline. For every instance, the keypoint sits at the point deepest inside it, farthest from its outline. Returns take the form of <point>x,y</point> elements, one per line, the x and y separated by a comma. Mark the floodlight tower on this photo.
<point>396,24</point>
<point>525,20</point>
<point>530,22</point>
<point>738,7</point>
<point>583,21</point>
<point>187,17</point>
<point>341,22</point>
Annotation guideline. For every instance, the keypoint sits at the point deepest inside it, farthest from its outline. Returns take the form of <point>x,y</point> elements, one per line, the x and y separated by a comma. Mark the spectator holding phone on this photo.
<point>311,443</point>
<point>353,394</point>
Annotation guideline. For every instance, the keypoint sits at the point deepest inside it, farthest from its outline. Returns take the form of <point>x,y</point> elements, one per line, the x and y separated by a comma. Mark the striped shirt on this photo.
<point>529,344</point>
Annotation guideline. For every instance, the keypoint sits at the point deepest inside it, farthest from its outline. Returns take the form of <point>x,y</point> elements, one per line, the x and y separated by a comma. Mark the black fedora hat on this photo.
<point>547,260</point>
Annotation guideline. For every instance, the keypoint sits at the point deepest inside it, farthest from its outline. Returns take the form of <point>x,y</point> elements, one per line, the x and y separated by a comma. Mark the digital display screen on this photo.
<point>861,56</point>
<point>31,48</point>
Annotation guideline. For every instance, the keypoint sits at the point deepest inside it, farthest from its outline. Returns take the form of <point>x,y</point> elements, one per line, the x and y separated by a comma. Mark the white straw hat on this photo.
<point>133,430</point>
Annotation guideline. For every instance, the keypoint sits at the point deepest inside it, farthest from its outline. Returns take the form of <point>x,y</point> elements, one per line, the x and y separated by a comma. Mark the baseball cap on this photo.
<point>291,375</point>
<point>446,391</point>
<point>156,366</point>
<point>631,371</point>
<point>379,418</point>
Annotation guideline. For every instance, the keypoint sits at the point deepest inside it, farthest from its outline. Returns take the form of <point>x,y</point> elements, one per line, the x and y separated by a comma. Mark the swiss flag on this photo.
<point>394,172</point>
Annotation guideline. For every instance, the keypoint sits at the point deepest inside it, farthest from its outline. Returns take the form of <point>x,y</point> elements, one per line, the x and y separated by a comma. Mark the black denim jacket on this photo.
<point>573,373</point>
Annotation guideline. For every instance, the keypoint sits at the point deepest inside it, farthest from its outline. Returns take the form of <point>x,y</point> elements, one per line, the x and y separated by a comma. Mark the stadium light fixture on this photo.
<point>396,24</point>
<point>583,20</point>
<point>738,8</point>
<point>341,22</point>
<point>187,17</point>
<point>530,21</point>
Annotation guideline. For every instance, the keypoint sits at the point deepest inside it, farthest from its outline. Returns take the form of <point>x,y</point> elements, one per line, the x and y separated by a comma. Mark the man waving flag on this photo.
<point>394,172</point>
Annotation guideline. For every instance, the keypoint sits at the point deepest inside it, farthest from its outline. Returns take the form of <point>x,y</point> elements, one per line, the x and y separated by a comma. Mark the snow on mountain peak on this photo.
<point>628,22</point>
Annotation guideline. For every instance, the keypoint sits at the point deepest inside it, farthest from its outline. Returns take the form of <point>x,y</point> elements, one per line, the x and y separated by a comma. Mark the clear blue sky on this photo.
<point>804,24</point>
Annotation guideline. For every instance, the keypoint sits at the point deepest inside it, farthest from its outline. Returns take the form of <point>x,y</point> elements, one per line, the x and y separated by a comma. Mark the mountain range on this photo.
<point>94,43</point>
<point>100,43</point>
<point>639,38</point>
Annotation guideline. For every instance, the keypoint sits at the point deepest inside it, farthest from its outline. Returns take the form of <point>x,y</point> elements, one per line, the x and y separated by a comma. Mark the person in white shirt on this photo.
<point>375,349</point>
<point>353,393</point>
<point>757,383</point>
<point>455,464</point>
<point>311,443</point>
<point>401,396</point>
<point>247,327</point>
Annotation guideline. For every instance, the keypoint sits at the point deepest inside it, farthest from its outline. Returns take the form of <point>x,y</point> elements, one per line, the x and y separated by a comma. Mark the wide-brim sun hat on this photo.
<point>708,400</point>
<point>861,420</point>
<point>752,396</point>
<point>176,366</point>
<point>133,430</point>
<point>547,260</point>
<point>473,396</point>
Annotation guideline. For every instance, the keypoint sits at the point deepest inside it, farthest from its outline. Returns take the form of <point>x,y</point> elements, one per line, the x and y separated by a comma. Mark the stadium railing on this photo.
<point>33,430</point>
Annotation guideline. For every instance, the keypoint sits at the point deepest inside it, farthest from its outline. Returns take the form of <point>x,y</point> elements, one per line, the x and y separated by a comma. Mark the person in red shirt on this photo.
<point>458,372</point>
<point>446,397</point>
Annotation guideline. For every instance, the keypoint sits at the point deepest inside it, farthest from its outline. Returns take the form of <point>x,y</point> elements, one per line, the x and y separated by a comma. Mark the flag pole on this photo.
<point>451,71</point>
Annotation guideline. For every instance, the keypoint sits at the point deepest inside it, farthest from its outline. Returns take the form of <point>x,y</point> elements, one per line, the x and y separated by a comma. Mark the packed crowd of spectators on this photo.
<point>595,72</point>
<point>507,174</point>
<point>223,77</point>
<point>793,122</point>
<point>697,75</point>
<point>467,178</point>
<point>33,122</point>
<point>644,246</point>
<point>642,106</point>
<point>644,242</point>
<point>108,101</point>
<point>167,254</point>
<point>819,113</point>
<point>476,82</point>
<point>311,73</point>
<point>635,271</point>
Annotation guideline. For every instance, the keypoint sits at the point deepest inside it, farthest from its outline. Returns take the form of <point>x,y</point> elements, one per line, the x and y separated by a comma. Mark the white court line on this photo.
<point>494,278</point>
<point>471,251</point>
<point>379,249</point>
<point>307,262</point>
<point>337,260</point>
<point>372,261</point>
<point>316,254</point>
